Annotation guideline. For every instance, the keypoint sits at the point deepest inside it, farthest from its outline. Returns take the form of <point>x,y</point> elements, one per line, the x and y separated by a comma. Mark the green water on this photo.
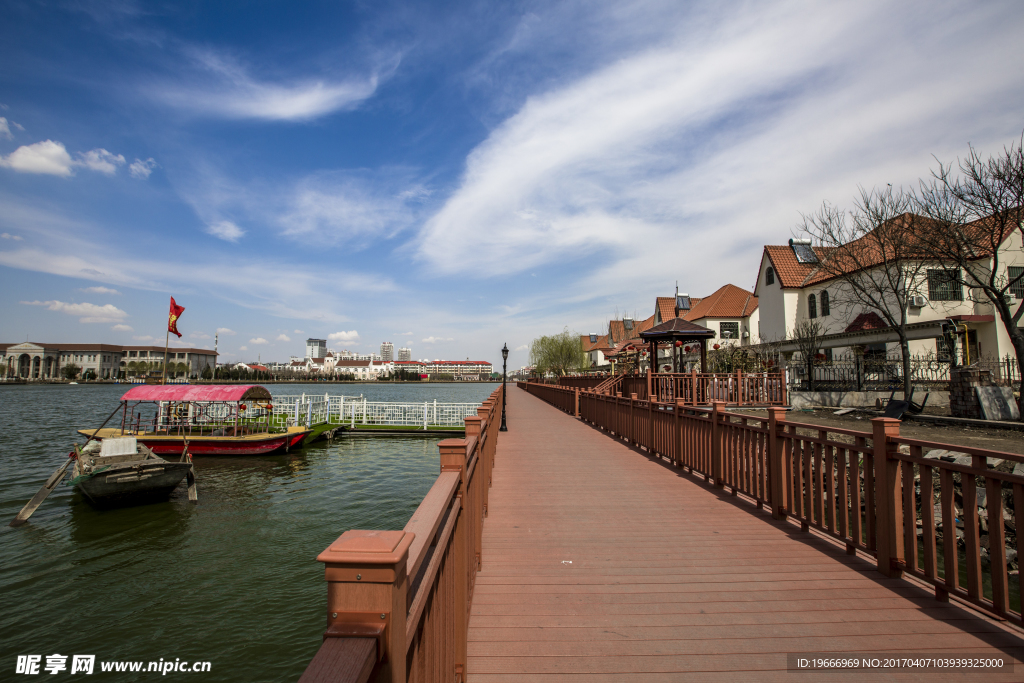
<point>231,580</point>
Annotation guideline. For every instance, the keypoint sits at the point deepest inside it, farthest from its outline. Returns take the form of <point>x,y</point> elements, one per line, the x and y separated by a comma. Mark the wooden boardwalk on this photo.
<point>603,564</point>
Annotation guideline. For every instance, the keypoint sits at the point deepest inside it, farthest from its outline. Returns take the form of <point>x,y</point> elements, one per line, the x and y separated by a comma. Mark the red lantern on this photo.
<point>679,343</point>
<point>717,347</point>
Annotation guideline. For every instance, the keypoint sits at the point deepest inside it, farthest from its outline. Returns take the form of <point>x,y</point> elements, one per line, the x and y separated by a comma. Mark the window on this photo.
<point>1017,288</point>
<point>812,307</point>
<point>825,307</point>
<point>729,330</point>
<point>769,276</point>
<point>944,285</point>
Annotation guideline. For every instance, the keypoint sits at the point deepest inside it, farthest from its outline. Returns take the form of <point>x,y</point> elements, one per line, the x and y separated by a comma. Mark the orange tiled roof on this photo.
<point>617,330</point>
<point>729,301</point>
<point>599,345</point>
<point>665,307</point>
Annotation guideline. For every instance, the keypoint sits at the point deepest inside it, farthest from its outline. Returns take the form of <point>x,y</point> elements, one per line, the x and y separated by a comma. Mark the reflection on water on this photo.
<point>232,580</point>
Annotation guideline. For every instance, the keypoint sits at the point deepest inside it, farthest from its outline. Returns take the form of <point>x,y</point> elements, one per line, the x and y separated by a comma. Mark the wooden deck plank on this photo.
<point>600,563</point>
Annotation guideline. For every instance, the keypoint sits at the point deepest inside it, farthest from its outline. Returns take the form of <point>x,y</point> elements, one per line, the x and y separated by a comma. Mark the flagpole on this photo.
<point>167,341</point>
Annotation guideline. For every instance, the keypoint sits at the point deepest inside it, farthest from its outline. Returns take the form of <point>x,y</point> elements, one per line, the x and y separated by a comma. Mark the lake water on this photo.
<point>232,580</point>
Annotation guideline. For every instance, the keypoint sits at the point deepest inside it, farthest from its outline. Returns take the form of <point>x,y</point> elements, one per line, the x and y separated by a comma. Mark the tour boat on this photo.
<point>121,470</point>
<point>211,419</point>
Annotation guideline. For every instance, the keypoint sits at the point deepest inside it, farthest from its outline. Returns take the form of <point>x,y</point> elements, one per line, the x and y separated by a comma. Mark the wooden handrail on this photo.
<point>402,591</point>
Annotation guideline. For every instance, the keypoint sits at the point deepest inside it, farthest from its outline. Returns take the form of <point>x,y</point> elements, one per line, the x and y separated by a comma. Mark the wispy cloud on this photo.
<point>122,328</point>
<point>225,230</point>
<point>85,312</point>
<point>351,335</point>
<point>258,340</point>
<point>220,86</point>
<point>5,129</point>
<point>144,337</point>
<point>99,290</point>
<point>434,340</point>
<point>283,338</point>
<point>100,160</point>
<point>198,335</point>
<point>142,169</point>
<point>226,331</point>
<point>7,236</point>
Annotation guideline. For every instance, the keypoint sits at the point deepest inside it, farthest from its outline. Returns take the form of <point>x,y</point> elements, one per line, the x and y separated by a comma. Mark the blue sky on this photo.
<point>457,175</point>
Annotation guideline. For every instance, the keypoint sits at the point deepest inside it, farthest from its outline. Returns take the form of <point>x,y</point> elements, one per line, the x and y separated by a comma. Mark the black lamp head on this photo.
<point>504,352</point>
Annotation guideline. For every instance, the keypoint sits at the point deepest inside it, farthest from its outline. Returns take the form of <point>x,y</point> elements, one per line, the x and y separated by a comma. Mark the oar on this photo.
<point>54,479</point>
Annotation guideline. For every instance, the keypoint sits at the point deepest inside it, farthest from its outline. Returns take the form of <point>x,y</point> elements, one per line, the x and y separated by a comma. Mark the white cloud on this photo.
<point>405,334</point>
<point>351,335</point>
<point>225,230</point>
<point>144,337</point>
<point>5,130</point>
<point>524,347</point>
<point>87,313</point>
<point>258,340</point>
<point>198,335</point>
<point>226,331</point>
<point>16,238</point>
<point>718,126</point>
<point>298,332</point>
<point>123,328</point>
<point>99,290</point>
<point>434,340</point>
<point>50,157</point>
<point>227,90</point>
<point>47,157</point>
<point>243,348</point>
<point>142,169</point>
<point>284,338</point>
<point>100,160</point>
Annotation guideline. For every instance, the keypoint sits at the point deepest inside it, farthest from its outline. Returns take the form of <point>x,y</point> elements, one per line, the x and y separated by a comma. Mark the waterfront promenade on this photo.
<point>601,563</point>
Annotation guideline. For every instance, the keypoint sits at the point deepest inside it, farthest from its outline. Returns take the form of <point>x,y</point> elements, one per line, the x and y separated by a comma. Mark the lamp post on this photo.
<point>504,371</point>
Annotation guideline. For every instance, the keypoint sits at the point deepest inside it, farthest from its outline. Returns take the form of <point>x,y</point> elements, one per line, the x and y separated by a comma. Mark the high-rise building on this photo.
<point>316,348</point>
<point>404,354</point>
<point>387,352</point>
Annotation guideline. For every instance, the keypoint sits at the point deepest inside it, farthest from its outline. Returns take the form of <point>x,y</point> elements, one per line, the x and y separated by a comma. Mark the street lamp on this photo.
<point>504,369</point>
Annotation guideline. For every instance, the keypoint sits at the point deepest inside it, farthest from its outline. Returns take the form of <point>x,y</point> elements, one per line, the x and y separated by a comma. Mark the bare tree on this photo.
<point>974,213</point>
<point>872,253</point>
<point>807,335</point>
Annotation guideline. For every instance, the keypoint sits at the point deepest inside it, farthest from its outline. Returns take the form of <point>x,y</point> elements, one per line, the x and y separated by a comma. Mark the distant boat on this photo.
<point>212,419</point>
<point>121,470</point>
<point>72,382</point>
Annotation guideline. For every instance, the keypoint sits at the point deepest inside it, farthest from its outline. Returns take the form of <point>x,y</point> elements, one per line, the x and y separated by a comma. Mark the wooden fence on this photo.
<point>893,498</point>
<point>398,601</point>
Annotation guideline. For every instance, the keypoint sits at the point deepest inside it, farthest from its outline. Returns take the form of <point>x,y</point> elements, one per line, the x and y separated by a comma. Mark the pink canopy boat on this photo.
<point>212,419</point>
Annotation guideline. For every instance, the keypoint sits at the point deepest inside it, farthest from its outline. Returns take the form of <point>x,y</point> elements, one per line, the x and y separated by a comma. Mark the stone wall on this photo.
<point>963,401</point>
<point>860,399</point>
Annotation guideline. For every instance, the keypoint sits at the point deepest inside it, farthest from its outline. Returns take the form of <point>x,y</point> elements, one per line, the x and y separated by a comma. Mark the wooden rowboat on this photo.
<point>121,471</point>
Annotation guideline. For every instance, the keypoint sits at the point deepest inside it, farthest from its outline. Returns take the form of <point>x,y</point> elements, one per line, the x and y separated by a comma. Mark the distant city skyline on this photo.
<point>452,177</point>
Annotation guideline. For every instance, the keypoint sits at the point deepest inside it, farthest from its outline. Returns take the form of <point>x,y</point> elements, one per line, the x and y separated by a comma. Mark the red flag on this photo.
<point>172,318</point>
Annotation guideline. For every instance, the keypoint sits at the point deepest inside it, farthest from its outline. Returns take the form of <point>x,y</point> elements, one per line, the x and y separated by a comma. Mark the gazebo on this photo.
<point>677,330</point>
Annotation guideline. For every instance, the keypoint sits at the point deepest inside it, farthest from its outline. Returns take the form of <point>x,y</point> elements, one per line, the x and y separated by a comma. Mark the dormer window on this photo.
<point>769,276</point>
<point>627,323</point>
<point>593,338</point>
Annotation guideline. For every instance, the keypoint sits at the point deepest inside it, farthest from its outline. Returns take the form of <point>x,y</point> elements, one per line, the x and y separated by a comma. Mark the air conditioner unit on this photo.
<point>918,301</point>
<point>1010,298</point>
<point>745,334</point>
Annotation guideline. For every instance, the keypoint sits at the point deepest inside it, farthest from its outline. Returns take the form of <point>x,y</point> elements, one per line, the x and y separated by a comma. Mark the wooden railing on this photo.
<point>398,601</point>
<point>876,492</point>
<point>736,388</point>
<point>563,398</point>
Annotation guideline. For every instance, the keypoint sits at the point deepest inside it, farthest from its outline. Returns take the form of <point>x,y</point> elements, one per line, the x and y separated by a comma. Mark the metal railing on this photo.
<point>398,601</point>
<point>311,410</point>
<point>856,373</point>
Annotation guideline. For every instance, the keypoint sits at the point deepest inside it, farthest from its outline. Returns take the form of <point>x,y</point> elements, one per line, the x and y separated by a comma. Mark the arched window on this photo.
<point>812,307</point>
<point>769,276</point>
<point>825,309</point>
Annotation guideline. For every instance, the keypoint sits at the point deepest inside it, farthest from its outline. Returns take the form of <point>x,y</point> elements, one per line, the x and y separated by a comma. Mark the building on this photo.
<point>31,360</point>
<point>387,352</point>
<point>316,348</point>
<point>792,287</point>
<point>731,312</point>
<point>404,354</point>
<point>366,370</point>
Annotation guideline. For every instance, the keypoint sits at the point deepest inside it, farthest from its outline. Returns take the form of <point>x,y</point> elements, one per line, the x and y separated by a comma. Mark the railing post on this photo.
<point>776,467</point>
<point>888,498</point>
<point>366,594</point>
<point>680,402</point>
<point>453,459</point>
<point>576,402</point>
<point>717,462</point>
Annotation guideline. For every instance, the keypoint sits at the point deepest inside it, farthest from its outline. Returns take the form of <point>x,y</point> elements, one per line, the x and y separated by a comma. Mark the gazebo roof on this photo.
<point>677,328</point>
